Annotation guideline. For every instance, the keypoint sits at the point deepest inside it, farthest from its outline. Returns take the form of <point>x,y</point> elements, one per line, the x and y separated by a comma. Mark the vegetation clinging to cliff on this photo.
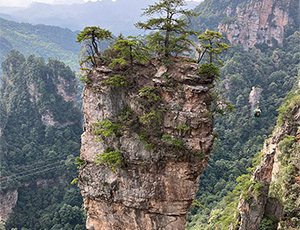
<point>276,71</point>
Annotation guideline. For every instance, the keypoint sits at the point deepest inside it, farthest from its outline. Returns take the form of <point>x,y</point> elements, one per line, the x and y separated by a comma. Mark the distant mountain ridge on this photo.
<point>40,40</point>
<point>118,16</point>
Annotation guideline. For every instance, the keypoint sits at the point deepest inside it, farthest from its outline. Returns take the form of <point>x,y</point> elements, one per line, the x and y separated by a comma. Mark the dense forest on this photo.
<point>41,128</point>
<point>37,136</point>
<point>240,136</point>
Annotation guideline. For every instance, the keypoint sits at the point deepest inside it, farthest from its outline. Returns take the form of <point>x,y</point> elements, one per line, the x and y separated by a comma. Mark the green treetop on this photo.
<point>130,48</point>
<point>210,43</point>
<point>93,35</point>
<point>172,30</point>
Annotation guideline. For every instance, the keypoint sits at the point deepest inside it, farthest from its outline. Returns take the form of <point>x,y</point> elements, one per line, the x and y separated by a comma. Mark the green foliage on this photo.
<point>107,128</point>
<point>210,70</point>
<point>52,208</point>
<point>151,119</point>
<point>148,93</point>
<point>111,157</point>
<point>125,114</point>
<point>241,136</point>
<point>212,12</point>
<point>228,20</point>
<point>79,161</point>
<point>74,181</point>
<point>172,31</point>
<point>118,61</point>
<point>144,136</point>
<point>183,127</point>
<point>268,222</point>
<point>168,139</point>
<point>2,225</point>
<point>116,81</point>
<point>287,147</point>
<point>286,109</point>
<point>41,40</point>
<point>210,44</point>
<point>219,106</point>
<point>130,49</point>
<point>84,79</point>
<point>91,36</point>
<point>287,189</point>
<point>34,148</point>
<point>197,203</point>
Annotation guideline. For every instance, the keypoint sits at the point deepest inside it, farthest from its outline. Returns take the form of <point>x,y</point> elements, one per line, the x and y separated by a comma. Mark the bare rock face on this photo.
<point>164,145</point>
<point>8,201</point>
<point>261,22</point>
<point>252,210</point>
<point>261,201</point>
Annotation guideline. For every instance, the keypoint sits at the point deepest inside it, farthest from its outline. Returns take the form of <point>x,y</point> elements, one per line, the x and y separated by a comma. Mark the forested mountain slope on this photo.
<point>275,70</point>
<point>40,130</point>
<point>271,198</point>
<point>40,40</point>
<point>117,16</point>
<point>213,12</point>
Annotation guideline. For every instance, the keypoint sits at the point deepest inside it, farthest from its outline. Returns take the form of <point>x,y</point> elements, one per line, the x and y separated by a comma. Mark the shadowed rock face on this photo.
<point>154,187</point>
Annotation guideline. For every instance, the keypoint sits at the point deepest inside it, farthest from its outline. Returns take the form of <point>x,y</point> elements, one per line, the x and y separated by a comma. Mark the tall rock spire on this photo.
<point>165,122</point>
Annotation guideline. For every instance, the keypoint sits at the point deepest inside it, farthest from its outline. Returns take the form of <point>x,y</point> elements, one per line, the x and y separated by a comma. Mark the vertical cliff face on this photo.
<point>164,145</point>
<point>262,21</point>
<point>273,198</point>
<point>7,203</point>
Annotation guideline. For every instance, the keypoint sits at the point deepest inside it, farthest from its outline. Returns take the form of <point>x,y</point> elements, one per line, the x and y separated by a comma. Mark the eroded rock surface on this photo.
<point>261,22</point>
<point>155,186</point>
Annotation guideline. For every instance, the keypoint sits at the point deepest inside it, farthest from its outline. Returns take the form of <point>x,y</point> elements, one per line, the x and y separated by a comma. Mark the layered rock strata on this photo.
<point>162,157</point>
<point>261,22</point>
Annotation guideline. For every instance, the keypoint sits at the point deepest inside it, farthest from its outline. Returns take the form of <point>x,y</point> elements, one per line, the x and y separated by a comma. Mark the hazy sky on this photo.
<point>25,3</point>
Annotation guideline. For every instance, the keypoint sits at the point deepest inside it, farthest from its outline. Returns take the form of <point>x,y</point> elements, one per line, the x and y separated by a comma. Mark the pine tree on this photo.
<point>172,35</point>
<point>211,44</point>
<point>130,48</point>
<point>91,36</point>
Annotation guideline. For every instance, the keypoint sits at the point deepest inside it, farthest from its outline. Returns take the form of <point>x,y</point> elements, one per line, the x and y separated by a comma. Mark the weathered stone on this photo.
<point>8,201</point>
<point>154,187</point>
<point>274,208</point>
<point>260,22</point>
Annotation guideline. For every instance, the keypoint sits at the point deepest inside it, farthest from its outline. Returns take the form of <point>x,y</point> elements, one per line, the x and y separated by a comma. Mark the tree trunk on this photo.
<point>167,43</point>
<point>131,57</point>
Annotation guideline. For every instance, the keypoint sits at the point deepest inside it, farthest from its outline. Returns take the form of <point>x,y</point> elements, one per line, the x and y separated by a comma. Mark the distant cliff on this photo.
<point>40,129</point>
<point>273,198</point>
<point>150,130</point>
<point>261,22</point>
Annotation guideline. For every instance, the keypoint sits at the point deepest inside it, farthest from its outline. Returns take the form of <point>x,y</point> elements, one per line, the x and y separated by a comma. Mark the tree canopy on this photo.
<point>210,43</point>
<point>92,36</point>
<point>171,29</point>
